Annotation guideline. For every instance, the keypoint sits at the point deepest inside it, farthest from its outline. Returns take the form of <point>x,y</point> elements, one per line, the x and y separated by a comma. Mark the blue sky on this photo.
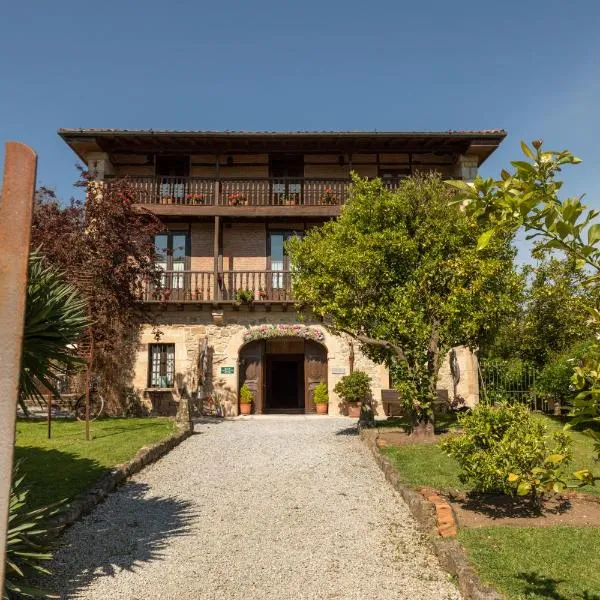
<point>531,68</point>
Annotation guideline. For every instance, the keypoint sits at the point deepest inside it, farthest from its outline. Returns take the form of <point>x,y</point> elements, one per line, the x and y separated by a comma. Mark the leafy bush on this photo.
<point>507,449</point>
<point>555,379</point>
<point>320,395</point>
<point>244,297</point>
<point>27,545</point>
<point>246,396</point>
<point>355,387</point>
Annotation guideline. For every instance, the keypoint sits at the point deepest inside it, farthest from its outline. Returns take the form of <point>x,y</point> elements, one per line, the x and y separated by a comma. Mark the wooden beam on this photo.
<point>216,255</point>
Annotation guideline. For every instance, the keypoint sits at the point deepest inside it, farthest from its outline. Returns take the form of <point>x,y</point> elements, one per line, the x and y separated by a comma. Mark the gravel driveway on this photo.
<point>274,507</point>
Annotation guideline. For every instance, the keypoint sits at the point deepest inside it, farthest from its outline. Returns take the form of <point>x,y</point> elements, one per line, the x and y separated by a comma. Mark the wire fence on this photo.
<point>510,380</point>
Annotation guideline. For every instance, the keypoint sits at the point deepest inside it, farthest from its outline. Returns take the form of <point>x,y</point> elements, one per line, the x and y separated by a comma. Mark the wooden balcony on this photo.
<point>234,287</point>
<point>241,197</point>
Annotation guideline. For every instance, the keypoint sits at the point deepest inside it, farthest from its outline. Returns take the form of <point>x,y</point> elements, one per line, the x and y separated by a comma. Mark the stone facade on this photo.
<point>188,330</point>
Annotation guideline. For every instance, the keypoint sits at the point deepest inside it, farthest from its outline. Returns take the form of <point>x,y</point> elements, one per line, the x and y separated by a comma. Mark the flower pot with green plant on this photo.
<point>328,197</point>
<point>355,391</point>
<point>237,199</point>
<point>246,398</point>
<point>321,398</point>
<point>243,296</point>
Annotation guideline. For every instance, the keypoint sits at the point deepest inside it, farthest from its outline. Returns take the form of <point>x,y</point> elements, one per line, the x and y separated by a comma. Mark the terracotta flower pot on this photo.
<point>321,408</point>
<point>245,409</point>
<point>354,409</point>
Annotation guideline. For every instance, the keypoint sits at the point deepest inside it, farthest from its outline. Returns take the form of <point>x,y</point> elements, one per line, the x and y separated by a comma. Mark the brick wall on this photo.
<point>245,247</point>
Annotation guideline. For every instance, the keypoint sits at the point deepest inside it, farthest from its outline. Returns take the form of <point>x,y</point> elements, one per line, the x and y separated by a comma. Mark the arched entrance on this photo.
<point>282,373</point>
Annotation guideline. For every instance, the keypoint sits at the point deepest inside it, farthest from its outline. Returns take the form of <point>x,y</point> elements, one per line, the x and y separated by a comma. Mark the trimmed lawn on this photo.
<point>66,465</point>
<point>427,465</point>
<point>561,563</point>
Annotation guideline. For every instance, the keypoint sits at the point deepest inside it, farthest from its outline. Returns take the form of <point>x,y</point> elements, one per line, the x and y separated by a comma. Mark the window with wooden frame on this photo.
<point>162,366</point>
<point>279,261</point>
<point>172,251</point>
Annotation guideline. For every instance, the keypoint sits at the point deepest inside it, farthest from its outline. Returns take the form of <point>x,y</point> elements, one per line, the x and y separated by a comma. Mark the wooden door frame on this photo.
<point>259,403</point>
<point>309,405</point>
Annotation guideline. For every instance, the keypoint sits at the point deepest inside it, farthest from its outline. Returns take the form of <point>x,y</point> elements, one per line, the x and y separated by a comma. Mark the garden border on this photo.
<point>85,502</point>
<point>435,516</point>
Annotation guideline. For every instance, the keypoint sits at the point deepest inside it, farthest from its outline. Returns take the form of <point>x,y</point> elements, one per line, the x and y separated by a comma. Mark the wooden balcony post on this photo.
<point>216,254</point>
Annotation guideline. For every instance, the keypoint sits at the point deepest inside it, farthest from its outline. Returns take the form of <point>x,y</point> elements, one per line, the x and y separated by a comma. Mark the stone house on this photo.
<point>228,201</point>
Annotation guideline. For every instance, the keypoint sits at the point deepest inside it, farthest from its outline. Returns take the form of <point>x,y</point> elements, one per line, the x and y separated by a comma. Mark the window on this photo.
<point>171,256</point>
<point>280,262</point>
<point>162,365</point>
<point>172,171</point>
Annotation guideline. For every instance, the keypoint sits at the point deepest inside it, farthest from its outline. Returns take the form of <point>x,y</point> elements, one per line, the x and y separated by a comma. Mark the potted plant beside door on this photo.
<point>354,390</point>
<point>246,397</point>
<point>321,398</point>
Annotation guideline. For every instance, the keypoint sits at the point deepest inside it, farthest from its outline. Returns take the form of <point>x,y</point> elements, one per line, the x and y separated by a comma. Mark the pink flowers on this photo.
<point>263,332</point>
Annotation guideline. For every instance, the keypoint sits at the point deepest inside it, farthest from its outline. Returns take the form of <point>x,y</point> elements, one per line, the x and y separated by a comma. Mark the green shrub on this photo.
<point>507,449</point>
<point>320,395</point>
<point>243,296</point>
<point>27,545</point>
<point>246,396</point>
<point>554,380</point>
<point>355,387</point>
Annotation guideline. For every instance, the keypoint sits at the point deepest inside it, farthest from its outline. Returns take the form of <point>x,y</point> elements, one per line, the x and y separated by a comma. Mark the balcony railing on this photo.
<point>193,191</point>
<point>239,287</point>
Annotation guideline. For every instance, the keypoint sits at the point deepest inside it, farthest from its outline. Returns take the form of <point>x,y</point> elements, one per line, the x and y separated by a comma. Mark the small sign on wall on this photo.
<point>338,370</point>
<point>227,370</point>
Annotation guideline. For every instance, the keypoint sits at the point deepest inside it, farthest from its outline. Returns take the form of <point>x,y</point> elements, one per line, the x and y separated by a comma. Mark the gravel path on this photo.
<point>279,507</point>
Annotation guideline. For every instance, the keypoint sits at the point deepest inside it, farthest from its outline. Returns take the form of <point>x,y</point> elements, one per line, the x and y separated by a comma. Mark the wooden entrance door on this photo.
<point>315,371</point>
<point>252,372</point>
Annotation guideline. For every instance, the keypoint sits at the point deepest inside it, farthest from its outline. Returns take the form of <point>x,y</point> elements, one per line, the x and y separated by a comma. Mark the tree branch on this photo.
<point>397,350</point>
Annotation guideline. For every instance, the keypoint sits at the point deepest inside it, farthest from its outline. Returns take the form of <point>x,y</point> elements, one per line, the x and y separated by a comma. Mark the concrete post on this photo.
<point>16,202</point>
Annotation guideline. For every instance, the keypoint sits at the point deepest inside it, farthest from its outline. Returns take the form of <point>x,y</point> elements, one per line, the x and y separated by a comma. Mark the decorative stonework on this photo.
<point>263,332</point>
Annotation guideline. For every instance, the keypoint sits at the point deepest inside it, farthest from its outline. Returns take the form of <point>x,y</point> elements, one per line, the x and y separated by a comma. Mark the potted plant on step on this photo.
<point>321,398</point>
<point>246,397</point>
<point>355,390</point>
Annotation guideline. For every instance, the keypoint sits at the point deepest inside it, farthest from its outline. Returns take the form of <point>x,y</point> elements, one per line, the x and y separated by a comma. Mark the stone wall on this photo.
<point>188,329</point>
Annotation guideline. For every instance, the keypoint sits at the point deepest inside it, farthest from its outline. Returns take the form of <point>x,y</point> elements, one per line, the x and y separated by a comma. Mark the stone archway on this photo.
<point>282,373</point>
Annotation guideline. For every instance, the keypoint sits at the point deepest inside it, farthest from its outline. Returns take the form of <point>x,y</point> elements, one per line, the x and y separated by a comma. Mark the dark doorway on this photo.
<point>285,387</point>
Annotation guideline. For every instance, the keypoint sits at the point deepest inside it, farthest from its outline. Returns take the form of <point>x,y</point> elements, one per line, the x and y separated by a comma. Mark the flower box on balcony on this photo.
<point>237,199</point>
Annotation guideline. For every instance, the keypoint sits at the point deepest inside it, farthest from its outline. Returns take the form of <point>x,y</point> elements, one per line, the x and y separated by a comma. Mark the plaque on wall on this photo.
<point>227,370</point>
<point>338,370</point>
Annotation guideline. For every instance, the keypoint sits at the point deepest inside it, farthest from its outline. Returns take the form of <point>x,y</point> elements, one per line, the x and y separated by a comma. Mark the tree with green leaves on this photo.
<point>552,315</point>
<point>399,273</point>
<point>55,319</point>
<point>528,197</point>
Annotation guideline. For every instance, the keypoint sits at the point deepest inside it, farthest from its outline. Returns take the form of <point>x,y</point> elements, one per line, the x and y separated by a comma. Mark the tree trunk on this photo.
<point>422,427</point>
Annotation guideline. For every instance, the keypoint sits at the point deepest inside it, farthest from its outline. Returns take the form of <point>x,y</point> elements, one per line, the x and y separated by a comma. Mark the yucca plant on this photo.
<point>55,318</point>
<point>27,544</point>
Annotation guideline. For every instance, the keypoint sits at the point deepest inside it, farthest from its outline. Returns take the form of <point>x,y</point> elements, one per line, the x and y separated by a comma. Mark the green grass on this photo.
<point>66,465</point>
<point>427,465</point>
<point>559,563</point>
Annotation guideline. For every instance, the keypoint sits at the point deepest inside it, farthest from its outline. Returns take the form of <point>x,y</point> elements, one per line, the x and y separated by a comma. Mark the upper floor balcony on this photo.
<point>269,196</point>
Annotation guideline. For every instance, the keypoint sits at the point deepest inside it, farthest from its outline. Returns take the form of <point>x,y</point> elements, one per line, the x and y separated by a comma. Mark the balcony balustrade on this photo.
<point>238,287</point>
<point>258,192</point>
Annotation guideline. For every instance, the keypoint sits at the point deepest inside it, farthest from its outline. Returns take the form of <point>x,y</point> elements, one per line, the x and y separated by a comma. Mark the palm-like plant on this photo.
<point>27,545</point>
<point>55,318</point>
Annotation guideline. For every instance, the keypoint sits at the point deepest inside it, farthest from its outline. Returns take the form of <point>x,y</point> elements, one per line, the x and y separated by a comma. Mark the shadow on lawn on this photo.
<point>131,528</point>
<point>54,475</point>
<point>546,587</point>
